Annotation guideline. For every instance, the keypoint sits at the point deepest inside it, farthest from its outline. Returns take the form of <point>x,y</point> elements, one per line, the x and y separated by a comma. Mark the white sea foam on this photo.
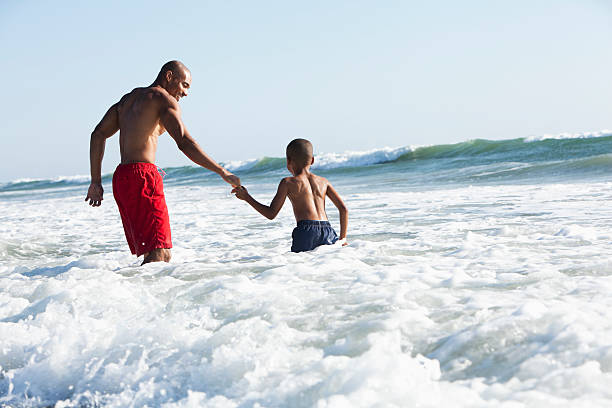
<point>336,160</point>
<point>357,159</point>
<point>484,296</point>
<point>240,165</point>
<point>79,179</point>
<point>567,135</point>
<point>58,179</point>
<point>387,154</point>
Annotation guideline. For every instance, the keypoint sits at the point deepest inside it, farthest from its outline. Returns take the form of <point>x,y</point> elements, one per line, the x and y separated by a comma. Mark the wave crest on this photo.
<point>564,147</point>
<point>566,135</point>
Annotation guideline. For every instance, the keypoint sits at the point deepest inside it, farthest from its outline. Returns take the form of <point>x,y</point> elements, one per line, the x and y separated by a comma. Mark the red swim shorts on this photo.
<point>139,193</point>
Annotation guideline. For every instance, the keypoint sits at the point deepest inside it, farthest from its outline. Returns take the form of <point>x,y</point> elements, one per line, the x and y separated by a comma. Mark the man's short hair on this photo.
<point>174,66</point>
<point>299,151</point>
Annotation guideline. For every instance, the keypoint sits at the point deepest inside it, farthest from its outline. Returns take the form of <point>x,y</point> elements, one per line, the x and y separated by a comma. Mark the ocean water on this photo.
<point>478,274</point>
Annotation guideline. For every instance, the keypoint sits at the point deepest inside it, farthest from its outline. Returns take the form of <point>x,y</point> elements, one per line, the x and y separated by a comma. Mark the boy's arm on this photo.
<point>335,198</point>
<point>270,211</point>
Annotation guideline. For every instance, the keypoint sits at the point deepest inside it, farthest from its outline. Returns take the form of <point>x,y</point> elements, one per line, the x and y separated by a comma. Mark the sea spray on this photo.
<point>467,282</point>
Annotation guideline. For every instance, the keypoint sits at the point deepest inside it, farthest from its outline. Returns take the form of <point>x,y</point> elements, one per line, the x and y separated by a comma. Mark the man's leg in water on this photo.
<point>157,255</point>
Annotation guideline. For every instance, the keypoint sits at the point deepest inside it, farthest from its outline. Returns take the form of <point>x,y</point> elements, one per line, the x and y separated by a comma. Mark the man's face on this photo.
<point>178,83</point>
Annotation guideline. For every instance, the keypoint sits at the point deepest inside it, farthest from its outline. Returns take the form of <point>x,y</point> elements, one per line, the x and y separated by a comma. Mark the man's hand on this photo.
<point>241,192</point>
<point>231,179</point>
<point>94,194</point>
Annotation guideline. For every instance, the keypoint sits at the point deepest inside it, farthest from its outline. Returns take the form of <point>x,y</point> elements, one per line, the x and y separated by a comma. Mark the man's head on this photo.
<point>299,154</point>
<point>175,78</point>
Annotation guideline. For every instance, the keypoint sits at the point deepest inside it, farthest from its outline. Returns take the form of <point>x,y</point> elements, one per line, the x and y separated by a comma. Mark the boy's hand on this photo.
<point>241,192</point>
<point>343,242</point>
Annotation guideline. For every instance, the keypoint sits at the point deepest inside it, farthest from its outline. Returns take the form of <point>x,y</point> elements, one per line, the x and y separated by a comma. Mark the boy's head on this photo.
<point>299,153</point>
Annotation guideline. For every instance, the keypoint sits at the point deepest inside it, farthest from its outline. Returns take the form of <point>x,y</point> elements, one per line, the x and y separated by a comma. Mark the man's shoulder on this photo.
<point>154,93</point>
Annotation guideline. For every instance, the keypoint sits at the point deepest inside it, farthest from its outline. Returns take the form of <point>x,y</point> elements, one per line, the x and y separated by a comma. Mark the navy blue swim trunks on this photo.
<point>310,234</point>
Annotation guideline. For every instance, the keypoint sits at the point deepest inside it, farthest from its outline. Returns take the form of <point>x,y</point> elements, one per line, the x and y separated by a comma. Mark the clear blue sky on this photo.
<point>348,75</point>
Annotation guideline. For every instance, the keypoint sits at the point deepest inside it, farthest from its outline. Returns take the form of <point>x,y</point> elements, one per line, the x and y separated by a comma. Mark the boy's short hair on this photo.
<point>299,151</point>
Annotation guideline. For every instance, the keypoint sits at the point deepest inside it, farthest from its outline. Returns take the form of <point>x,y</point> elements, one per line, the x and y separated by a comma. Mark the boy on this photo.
<point>307,192</point>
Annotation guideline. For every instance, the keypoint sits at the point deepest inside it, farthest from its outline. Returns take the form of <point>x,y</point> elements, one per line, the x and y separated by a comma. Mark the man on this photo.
<point>141,116</point>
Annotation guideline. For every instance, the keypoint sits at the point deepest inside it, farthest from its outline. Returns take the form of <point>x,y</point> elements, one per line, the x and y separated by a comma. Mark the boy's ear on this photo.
<point>312,161</point>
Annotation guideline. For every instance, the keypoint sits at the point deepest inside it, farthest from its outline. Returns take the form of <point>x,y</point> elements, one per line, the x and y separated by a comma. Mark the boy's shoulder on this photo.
<point>286,180</point>
<point>319,179</point>
<point>300,179</point>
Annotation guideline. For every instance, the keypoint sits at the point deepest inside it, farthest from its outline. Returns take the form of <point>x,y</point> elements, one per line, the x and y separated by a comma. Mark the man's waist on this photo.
<point>139,168</point>
<point>137,165</point>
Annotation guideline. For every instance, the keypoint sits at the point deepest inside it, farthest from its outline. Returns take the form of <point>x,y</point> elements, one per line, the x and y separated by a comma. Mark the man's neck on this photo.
<point>157,83</point>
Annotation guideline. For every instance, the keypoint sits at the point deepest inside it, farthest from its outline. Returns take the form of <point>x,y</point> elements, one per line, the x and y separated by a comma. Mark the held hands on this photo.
<point>94,194</point>
<point>241,192</point>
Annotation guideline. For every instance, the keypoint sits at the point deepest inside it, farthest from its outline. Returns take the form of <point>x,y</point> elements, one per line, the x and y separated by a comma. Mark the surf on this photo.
<point>478,160</point>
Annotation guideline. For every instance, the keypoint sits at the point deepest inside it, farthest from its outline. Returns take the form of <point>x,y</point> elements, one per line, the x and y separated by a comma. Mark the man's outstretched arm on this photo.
<point>108,126</point>
<point>171,120</point>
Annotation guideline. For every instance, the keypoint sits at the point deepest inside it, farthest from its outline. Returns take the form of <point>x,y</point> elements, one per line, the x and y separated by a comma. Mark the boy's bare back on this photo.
<point>307,195</point>
<point>305,190</point>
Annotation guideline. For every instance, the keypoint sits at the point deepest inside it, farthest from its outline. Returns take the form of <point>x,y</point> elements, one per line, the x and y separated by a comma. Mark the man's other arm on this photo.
<point>171,119</point>
<point>108,126</point>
